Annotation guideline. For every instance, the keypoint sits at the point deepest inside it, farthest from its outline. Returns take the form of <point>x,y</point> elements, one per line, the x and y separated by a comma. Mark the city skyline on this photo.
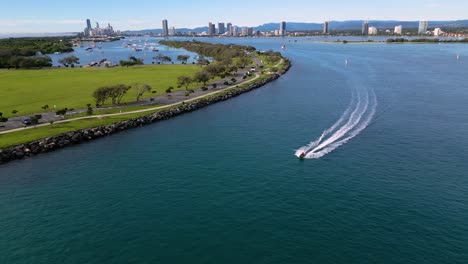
<point>46,16</point>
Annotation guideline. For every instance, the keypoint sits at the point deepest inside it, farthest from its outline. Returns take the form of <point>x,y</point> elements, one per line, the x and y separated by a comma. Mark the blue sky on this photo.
<point>39,16</point>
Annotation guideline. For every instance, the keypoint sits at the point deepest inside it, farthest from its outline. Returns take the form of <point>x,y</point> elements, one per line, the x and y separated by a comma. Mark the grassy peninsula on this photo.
<point>218,70</point>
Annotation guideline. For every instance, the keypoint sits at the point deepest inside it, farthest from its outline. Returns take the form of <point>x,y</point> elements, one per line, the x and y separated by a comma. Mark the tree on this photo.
<point>3,119</point>
<point>35,119</point>
<point>141,89</point>
<point>201,60</point>
<point>202,77</point>
<point>183,58</point>
<point>89,111</point>
<point>214,69</point>
<point>70,60</point>
<point>132,61</point>
<point>115,92</point>
<point>184,81</point>
<point>244,61</point>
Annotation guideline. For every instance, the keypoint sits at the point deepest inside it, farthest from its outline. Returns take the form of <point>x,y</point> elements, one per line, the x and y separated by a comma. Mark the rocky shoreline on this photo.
<point>85,135</point>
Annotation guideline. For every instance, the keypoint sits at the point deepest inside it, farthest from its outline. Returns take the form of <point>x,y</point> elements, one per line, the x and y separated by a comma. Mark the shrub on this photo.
<point>169,90</point>
<point>14,112</point>
<point>35,119</point>
<point>187,93</point>
<point>233,80</point>
<point>226,83</point>
<point>90,110</point>
<point>62,111</point>
<point>214,85</point>
<point>191,91</point>
<point>204,88</point>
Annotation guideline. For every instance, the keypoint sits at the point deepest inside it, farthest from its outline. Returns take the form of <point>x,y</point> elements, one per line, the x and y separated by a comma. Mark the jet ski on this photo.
<point>302,156</point>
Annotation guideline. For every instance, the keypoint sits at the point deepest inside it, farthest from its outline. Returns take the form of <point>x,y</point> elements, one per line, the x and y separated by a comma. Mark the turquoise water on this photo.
<point>221,185</point>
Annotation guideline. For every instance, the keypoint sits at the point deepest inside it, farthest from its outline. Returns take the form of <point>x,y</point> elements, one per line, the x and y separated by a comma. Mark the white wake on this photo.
<point>354,120</point>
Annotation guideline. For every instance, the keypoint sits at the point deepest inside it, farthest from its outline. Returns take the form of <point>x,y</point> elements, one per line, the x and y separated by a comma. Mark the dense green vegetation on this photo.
<point>219,52</point>
<point>28,52</point>
<point>27,91</point>
<point>227,60</point>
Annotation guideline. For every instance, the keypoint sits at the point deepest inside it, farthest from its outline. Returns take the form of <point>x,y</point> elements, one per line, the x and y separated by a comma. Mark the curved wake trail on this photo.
<point>351,135</point>
<point>341,135</point>
<point>328,131</point>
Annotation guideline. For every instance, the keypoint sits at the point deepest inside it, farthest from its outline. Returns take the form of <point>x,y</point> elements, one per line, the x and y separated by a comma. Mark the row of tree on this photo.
<point>117,92</point>
<point>227,60</point>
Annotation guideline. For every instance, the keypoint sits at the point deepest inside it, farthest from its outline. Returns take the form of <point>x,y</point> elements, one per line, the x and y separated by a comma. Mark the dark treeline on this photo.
<point>28,52</point>
<point>218,52</point>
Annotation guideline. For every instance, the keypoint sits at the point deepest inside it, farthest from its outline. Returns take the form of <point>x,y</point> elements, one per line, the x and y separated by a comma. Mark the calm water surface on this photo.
<point>221,185</point>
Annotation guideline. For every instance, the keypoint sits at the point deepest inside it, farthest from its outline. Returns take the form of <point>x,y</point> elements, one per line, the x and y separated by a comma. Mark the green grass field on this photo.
<point>29,135</point>
<point>28,90</point>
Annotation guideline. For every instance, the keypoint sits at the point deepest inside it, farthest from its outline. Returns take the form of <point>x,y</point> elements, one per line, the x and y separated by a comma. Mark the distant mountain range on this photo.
<point>334,25</point>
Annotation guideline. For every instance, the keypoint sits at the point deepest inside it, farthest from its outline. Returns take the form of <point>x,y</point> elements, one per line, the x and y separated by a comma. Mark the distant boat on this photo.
<point>346,62</point>
<point>283,47</point>
<point>458,56</point>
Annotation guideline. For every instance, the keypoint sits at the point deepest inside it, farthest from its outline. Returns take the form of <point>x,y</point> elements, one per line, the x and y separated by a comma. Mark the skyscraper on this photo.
<point>365,28</point>
<point>229,29</point>
<point>165,28</point>
<point>247,31</point>
<point>325,27</point>
<point>221,28</point>
<point>283,28</point>
<point>88,24</point>
<point>422,27</point>
<point>211,29</point>
<point>172,31</point>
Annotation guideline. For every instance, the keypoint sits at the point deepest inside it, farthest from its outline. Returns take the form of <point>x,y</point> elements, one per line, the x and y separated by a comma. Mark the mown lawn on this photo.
<point>28,90</point>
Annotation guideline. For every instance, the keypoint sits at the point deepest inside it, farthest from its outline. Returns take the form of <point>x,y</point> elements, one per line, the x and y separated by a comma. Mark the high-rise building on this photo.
<point>165,28</point>
<point>235,31</point>
<point>422,27</point>
<point>172,31</point>
<point>398,30</point>
<point>211,29</point>
<point>365,28</point>
<point>221,28</point>
<point>88,24</point>
<point>247,31</point>
<point>373,31</point>
<point>229,29</point>
<point>283,28</point>
<point>325,27</point>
